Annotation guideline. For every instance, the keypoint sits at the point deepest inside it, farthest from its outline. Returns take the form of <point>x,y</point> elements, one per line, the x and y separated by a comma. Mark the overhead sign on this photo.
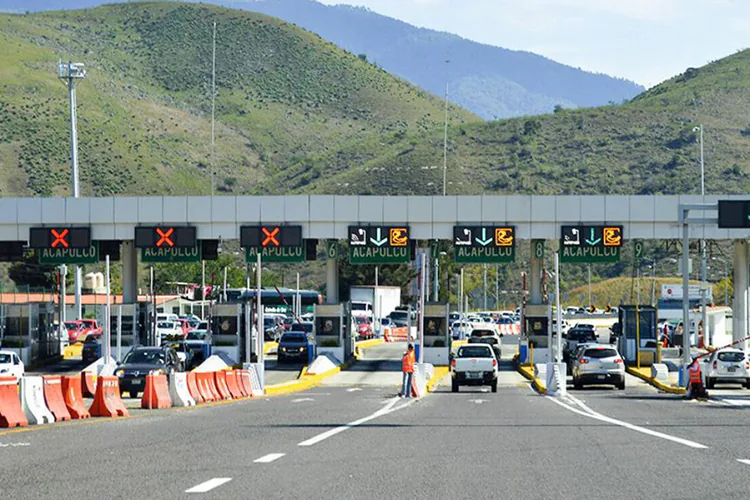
<point>275,254</point>
<point>62,255</point>
<point>484,244</point>
<point>587,244</point>
<point>165,237</point>
<point>170,254</point>
<point>379,236</point>
<point>60,237</point>
<point>675,291</point>
<point>269,236</point>
<point>734,214</point>
<point>379,255</point>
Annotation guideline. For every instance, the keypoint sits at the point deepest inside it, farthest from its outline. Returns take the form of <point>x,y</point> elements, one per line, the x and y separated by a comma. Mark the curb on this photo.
<point>363,344</point>
<point>440,372</point>
<point>304,383</point>
<point>269,346</point>
<point>528,373</point>
<point>652,381</point>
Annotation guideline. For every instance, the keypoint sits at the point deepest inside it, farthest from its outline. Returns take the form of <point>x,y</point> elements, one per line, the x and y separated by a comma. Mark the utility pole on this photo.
<point>68,73</point>
<point>484,287</point>
<point>704,270</point>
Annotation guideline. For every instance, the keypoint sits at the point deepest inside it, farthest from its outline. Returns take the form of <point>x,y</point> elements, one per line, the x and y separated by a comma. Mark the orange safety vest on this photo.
<point>407,362</point>
<point>694,371</point>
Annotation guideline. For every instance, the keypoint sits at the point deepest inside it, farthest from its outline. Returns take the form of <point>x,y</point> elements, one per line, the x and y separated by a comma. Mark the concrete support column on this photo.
<point>535,276</point>
<point>129,257</point>
<point>739,313</point>
<point>332,281</point>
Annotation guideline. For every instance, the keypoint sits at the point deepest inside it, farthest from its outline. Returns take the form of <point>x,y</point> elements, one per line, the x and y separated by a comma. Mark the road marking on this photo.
<point>389,408</point>
<point>209,485</point>
<point>743,461</point>
<point>598,416</point>
<point>301,400</point>
<point>13,445</point>
<point>477,401</point>
<point>269,458</point>
<point>353,389</point>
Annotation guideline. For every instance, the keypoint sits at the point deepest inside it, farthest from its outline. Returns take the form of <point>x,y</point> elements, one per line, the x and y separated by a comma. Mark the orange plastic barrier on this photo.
<point>107,402</point>
<point>399,334</point>
<point>192,383</point>
<point>232,385</point>
<point>53,396</point>
<point>88,386</point>
<point>244,378</point>
<point>240,384</point>
<point>221,385</point>
<point>71,388</point>
<point>156,393</point>
<point>204,386</point>
<point>11,413</point>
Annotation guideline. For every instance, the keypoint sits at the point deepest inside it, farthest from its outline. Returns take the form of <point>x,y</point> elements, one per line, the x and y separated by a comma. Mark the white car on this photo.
<point>166,329</point>
<point>726,365</point>
<point>11,365</point>
<point>598,364</point>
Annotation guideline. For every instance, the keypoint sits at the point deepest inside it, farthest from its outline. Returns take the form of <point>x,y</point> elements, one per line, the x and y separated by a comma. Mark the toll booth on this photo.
<point>330,332</point>
<point>436,334</point>
<point>145,323</point>
<point>537,320</point>
<point>226,329</point>
<point>638,335</point>
<point>124,317</point>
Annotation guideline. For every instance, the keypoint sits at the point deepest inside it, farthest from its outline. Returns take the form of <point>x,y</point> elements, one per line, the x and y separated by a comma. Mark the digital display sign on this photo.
<point>378,236</point>
<point>270,236</point>
<point>734,214</point>
<point>483,236</point>
<point>59,237</point>
<point>592,236</point>
<point>165,237</point>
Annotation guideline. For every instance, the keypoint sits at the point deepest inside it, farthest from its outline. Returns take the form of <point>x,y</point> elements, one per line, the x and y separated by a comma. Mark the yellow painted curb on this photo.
<point>73,351</point>
<point>440,372</point>
<point>303,383</point>
<point>528,372</point>
<point>642,374</point>
<point>369,343</point>
<point>269,346</point>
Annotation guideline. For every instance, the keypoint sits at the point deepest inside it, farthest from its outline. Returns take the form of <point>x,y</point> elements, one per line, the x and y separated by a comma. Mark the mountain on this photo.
<point>646,146</point>
<point>283,94</point>
<point>492,82</point>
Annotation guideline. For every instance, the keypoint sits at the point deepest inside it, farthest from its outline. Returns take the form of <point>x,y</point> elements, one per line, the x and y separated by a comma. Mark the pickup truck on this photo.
<point>474,364</point>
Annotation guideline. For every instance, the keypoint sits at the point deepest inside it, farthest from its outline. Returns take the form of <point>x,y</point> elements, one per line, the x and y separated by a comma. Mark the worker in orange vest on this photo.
<point>407,367</point>
<point>695,381</point>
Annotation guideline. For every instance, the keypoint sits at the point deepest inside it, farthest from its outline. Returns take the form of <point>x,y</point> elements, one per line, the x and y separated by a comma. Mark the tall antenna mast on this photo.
<point>213,108</point>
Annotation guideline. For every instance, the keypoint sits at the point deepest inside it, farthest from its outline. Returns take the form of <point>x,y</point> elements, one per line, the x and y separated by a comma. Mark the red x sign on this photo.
<point>60,238</point>
<point>165,237</point>
<point>270,236</point>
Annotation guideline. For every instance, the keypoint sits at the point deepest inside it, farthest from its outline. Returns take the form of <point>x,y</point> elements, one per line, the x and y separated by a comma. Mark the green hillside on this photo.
<point>283,96</point>
<point>646,146</point>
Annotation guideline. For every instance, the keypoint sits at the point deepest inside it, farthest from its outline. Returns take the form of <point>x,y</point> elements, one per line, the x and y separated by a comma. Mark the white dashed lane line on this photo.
<point>209,485</point>
<point>269,458</point>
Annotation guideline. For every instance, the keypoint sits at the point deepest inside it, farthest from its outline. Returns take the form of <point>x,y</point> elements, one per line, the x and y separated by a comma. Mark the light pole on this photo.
<point>702,243</point>
<point>68,73</point>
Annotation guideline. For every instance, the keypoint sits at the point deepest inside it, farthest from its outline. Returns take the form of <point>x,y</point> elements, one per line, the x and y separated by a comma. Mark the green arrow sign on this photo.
<point>379,255</point>
<point>275,254</point>
<point>57,256</point>
<point>484,255</point>
<point>587,254</point>
<point>171,254</point>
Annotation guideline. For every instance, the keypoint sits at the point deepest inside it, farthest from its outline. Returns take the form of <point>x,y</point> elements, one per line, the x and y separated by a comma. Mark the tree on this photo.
<point>362,57</point>
<point>29,273</point>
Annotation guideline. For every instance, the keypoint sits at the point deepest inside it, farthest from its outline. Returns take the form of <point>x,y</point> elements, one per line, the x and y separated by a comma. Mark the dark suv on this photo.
<point>142,361</point>
<point>91,348</point>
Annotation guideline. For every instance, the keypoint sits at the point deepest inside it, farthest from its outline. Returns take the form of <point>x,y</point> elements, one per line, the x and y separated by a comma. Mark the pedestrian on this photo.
<point>695,381</point>
<point>407,367</point>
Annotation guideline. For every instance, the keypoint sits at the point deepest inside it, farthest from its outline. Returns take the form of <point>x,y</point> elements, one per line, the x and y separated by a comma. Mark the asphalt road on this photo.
<point>596,443</point>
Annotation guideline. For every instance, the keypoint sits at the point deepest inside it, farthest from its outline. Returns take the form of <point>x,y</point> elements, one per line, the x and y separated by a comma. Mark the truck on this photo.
<point>374,302</point>
<point>474,364</point>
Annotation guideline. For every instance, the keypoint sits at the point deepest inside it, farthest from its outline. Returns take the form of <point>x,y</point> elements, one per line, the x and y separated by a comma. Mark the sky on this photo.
<point>647,41</point>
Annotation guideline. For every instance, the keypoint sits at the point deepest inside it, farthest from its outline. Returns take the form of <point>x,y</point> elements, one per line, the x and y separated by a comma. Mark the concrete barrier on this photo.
<point>107,401</point>
<point>32,401</point>
<point>178,390</point>
<point>659,372</point>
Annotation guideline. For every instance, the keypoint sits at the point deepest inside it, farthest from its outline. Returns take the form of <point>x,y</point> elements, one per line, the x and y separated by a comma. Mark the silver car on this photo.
<point>726,365</point>
<point>598,365</point>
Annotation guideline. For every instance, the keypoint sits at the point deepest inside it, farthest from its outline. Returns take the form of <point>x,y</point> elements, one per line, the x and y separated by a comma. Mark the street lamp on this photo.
<point>68,73</point>
<point>702,242</point>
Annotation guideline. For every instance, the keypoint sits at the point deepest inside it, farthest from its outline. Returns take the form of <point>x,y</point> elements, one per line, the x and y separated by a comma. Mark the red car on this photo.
<point>74,330</point>
<point>364,327</point>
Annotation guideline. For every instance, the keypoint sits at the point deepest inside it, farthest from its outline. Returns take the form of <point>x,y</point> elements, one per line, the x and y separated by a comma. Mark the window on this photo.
<point>474,352</point>
<point>599,353</point>
<point>5,358</point>
<point>142,356</point>
<point>731,357</point>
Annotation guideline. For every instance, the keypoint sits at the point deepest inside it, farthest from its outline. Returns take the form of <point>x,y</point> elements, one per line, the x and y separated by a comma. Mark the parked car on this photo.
<point>168,329</point>
<point>11,365</point>
<point>90,351</point>
<point>293,345</point>
<point>726,365</point>
<point>364,327</point>
<point>598,365</point>
<point>199,342</point>
<point>74,329</point>
<point>142,361</point>
<point>474,364</point>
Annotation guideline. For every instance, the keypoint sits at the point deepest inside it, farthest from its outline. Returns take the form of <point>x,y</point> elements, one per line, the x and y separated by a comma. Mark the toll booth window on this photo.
<point>646,327</point>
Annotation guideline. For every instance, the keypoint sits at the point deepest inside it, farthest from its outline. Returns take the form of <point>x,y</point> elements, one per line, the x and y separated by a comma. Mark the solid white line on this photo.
<point>598,416</point>
<point>269,458</point>
<point>389,408</point>
<point>209,485</point>
<point>743,461</point>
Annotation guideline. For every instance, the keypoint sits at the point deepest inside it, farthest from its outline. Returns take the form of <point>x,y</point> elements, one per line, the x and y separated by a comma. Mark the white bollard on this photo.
<point>178,390</point>
<point>32,401</point>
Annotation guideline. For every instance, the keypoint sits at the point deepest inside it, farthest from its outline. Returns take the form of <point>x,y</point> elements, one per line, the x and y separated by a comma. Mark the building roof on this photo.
<point>87,299</point>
